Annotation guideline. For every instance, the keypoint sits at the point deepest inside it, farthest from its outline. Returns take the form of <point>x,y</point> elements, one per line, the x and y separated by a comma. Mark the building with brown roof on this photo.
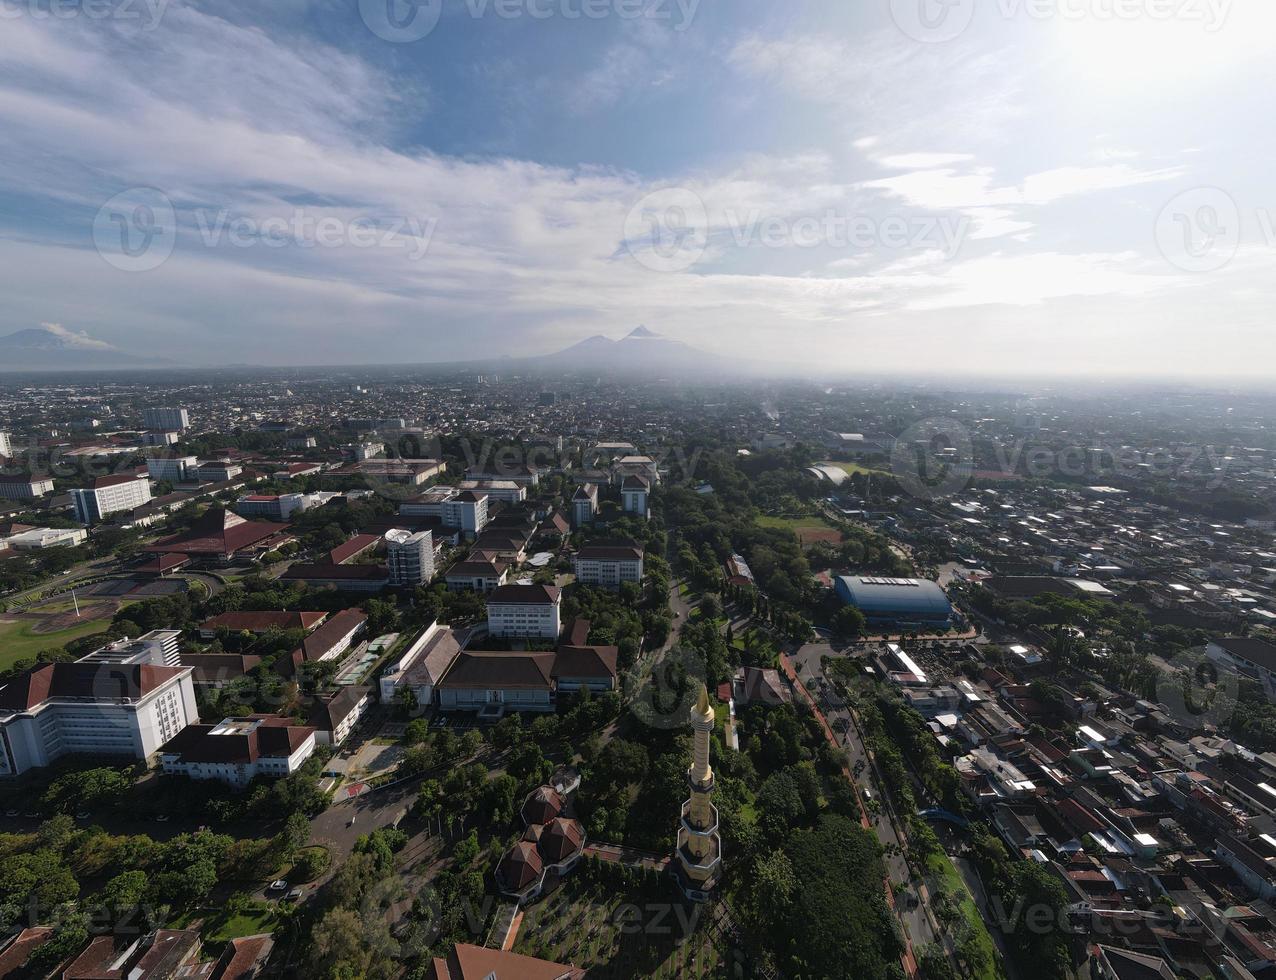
<point>481,575</point>
<point>343,578</point>
<point>257,623</point>
<point>162,955</point>
<point>237,750</point>
<point>91,708</point>
<point>467,962</point>
<point>335,715</point>
<point>221,535</point>
<point>498,680</point>
<point>15,955</point>
<point>328,642</point>
<point>607,565</point>
<point>244,958</point>
<point>553,843</point>
<point>525,611</point>
<point>216,670</point>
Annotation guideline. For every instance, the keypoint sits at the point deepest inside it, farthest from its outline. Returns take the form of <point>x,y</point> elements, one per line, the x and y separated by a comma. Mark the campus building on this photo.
<point>410,557</point>
<point>109,495</point>
<point>896,601</point>
<point>606,566</point>
<point>24,487</point>
<point>524,611</point>
<point>238,750</point>
<point>166,418</point>
<point>92,708</point>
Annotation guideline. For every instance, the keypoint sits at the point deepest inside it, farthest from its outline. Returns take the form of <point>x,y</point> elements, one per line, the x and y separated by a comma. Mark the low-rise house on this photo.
<point>237,750</point>
<point>752,685</point>
<point>163,955</point>
<point>334,715</point>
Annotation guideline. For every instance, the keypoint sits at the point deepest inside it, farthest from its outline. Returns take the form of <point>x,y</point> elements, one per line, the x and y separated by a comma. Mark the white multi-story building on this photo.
<point>367,450</point>
<point>634,494</point>
<point>24,487</point>
<point>464,509</point>
<point>409,556</point>
<point>161,438</point>
<point>47,537</point>
<point>109,495</point>
<point>94,708</point>
<point>166,418</point>
<point>174,469</point>
<point>272,507</point>
<point>237,750</point>
<point>584,504</point>
<point>160,648</point>
<point>219,470</point>
<point>6,444</point>
<point>506,491</point>
<point>525,611</point>
<point>609,565</point>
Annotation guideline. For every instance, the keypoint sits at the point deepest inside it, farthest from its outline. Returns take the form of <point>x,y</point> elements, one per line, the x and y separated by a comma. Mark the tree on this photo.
<point>848,623</point>
<point>295,835</point>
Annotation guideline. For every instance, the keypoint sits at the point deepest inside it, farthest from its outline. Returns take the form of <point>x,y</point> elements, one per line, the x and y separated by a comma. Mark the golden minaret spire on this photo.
<point>699,843</point>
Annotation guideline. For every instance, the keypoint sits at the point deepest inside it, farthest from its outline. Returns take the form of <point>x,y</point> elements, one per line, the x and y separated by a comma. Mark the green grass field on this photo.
<point>796,523</point>
<point>946,878</point>
<point>17,641</point>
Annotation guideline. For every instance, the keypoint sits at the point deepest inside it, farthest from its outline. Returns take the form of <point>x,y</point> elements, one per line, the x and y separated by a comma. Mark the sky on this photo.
<point>926,186</point>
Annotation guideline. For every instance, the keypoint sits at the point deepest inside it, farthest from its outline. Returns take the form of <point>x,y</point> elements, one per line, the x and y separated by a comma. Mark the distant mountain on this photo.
<point>52,347</point>
<point>641,351</point>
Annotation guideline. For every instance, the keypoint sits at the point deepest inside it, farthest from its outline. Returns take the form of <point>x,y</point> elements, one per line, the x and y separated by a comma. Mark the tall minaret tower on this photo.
<point>699,844</point>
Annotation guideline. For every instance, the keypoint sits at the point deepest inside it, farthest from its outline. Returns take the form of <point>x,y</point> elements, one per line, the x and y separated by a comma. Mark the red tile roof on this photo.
<point>83,680</point>
<point>219,532</point>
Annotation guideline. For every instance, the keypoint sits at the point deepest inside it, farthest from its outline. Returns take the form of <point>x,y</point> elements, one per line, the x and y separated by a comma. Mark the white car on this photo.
<point>279,885</point>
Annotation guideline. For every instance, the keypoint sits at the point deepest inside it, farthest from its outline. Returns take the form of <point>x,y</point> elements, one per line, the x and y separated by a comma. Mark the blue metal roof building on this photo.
<point>900,601</point>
